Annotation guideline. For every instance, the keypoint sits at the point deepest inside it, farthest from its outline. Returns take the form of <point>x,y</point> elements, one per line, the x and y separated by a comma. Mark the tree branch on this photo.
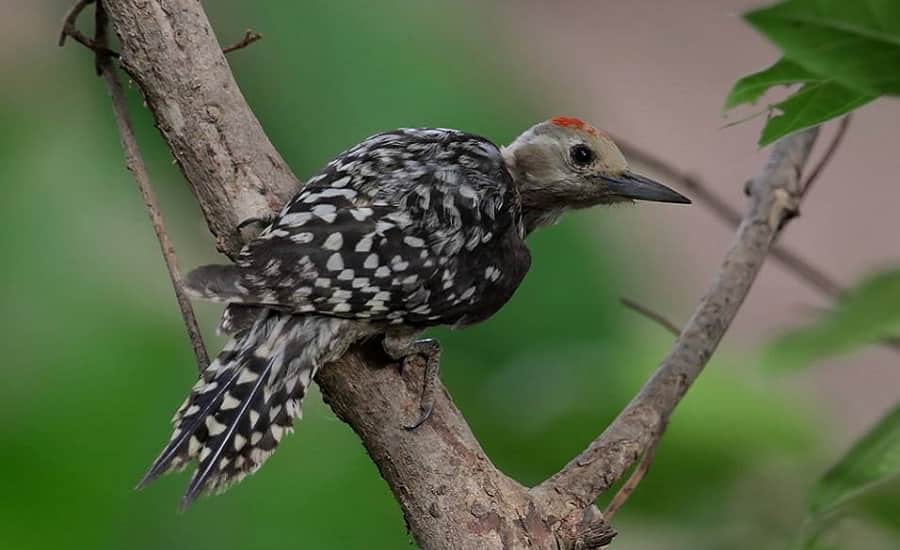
<point>171,53</point>
<point>70,30</point>
<point>774,199</point>
<point>450,493</point>
<point>134,162</point>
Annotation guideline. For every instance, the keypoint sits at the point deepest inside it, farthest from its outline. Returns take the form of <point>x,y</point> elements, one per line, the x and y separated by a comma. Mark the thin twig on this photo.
<point>808,272</point>
<point>804,269</point>
<point>69,20</point>
<point>250,37</point>
<point>654,316</point>
<point>631,484</point>
<point>69,29</point>
<point>827,156</point>
<point>134,162</point>
<point>641,469</point>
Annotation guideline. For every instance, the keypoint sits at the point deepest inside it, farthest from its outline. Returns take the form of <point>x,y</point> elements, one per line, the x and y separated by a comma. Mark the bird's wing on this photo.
<point>391,230</point>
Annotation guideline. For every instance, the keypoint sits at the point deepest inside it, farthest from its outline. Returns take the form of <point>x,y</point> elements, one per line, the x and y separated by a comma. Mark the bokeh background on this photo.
<point>95,357</point>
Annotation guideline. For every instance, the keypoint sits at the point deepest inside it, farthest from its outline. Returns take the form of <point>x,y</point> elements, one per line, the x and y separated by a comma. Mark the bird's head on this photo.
<point>564,163</point>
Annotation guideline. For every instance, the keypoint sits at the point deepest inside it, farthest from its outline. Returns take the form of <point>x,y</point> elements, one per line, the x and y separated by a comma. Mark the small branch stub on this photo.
<point>249,38</point>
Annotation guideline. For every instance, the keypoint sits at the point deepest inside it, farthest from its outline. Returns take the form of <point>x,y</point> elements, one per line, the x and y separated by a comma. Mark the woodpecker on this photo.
<point>409,229</point>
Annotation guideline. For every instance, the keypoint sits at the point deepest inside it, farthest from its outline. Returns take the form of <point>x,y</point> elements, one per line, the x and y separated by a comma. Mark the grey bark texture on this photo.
<point>450,493</point>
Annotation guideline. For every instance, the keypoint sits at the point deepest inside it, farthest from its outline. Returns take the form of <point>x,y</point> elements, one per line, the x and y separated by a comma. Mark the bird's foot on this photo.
<point>407,350</point>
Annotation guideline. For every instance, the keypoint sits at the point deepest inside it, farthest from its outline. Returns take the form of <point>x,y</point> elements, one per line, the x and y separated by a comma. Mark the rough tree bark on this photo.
<point>450,493</point>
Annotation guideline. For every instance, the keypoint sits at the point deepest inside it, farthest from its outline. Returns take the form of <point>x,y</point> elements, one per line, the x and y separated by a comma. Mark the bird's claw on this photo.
<point>425,410</point>
<point>428,351</point>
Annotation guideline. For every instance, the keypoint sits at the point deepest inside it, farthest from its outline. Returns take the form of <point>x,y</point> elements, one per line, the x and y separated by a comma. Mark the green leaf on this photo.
<point>814,103</point>
<point>817,101</point>
<point>783,72</point>
<point>855,43</point>
<point>872,460</point>
<point>866,313</point>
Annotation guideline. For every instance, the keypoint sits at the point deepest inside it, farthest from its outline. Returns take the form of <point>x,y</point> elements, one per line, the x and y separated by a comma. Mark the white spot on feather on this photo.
<point>413,241</point>
<point>214,426</point>
<point>334,242</point>
<point>327,212</point>
<point>277,432</point>
<point>361,214</point>
<point>302,237</point>
<point>295,219</point>
<point>335,262</point>
<point>229,402</point>
<point>246,376</point>
<point>364,244</point>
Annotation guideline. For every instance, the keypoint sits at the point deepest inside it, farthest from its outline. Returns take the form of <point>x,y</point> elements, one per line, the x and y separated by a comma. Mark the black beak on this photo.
<point>634,186</point>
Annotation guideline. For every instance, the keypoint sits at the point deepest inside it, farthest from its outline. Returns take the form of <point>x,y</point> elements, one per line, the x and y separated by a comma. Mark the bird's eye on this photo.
<point>581,154</point>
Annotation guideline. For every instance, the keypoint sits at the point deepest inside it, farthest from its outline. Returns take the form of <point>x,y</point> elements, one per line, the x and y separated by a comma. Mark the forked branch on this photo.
<point>774,199</point>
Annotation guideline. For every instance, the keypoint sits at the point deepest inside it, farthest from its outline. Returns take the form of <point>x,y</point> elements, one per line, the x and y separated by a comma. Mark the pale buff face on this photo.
<point>565,163</point>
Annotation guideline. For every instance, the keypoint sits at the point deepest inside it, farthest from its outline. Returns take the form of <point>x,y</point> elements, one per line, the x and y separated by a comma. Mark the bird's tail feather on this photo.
<point>245,401</point>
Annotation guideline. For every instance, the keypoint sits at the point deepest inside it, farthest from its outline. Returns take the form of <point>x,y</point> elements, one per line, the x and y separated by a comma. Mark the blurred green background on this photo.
<point>97,360</point>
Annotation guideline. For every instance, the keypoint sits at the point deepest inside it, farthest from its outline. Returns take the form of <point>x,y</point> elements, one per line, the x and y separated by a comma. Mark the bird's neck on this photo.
<point>539,208</point>
<point>536,218</point>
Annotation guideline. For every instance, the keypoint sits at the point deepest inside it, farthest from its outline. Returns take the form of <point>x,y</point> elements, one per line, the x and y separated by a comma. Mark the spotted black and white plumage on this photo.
<point>413,227</point>
<point>408,229</point>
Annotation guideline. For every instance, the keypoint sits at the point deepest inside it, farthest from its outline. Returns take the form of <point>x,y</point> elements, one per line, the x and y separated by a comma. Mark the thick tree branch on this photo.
<point>774,199</point>
<point>450,493</point>
<point>171,53</point>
